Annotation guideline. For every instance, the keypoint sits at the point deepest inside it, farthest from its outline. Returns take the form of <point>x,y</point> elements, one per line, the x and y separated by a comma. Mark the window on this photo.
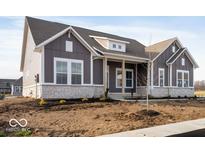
<point>173,48</point>
<point>113,45</point>
<point>69,46</point>
<point>129,78</point>
<point>161,77</point>
<point>182,78</point>
<point>186,79</point>
<point>68,71</point>
<point>179,79</point>
<point>61,72</point>
<point>119,47</point>
<point>118,78</point>
<point>76,73</point>
<point>183,61</point>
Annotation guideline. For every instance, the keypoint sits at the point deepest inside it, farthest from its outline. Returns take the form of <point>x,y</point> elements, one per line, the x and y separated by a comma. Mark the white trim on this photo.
<point>189,57</point>
<point>123,57</point>
<point>91,68</point>
<point>126,70</point>
<point>170,78</point>
<point>69,73</point>
<point>53,84</point>
<point>136,75</point>
<point>172,55</point>
<point>63,32</point>
<point>110,39</point>
<point>42,65</point>
<point>182,71</point>
<point>161,69</point>
<point>53,37</point>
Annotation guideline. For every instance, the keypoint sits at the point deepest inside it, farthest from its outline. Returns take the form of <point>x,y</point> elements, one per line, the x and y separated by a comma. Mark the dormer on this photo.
<point>111,44</point>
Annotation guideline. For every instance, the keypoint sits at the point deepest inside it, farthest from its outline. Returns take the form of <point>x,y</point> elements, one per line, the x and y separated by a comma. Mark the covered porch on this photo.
<point>125,77</point>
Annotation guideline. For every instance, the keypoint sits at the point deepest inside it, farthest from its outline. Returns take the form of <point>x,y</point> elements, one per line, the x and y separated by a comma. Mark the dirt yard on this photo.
<point>94,119</point>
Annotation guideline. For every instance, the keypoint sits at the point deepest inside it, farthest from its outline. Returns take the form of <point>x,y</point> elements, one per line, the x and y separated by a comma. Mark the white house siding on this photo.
<point>31,65</point>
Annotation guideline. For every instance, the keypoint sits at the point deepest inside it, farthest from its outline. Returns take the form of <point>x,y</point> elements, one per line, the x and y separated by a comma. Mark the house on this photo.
<point>5,86</point>
<point>64,61</point>
<point>16,87</point>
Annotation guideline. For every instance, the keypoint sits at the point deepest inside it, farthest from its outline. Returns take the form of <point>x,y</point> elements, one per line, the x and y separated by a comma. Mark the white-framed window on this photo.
<point>129,76</point>
<point>183,61</point>
<point>113,46</point>
<point>61,72</point>
<point>119,46</point>
<point>68,71</point>
<point>182,78</point>
<point>76,73</point>
<point>68,46</point>
<point>118,78</point>
<point>161,77</point>
<point>173,48</point>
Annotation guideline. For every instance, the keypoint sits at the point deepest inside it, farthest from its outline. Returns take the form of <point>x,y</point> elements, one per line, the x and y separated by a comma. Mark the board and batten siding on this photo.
<point>160,62</point>
<point>56,48</point>
<point>177,65</point>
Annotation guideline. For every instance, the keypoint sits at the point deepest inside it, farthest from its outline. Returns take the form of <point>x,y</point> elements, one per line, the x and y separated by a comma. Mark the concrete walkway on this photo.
<point>163,130</point>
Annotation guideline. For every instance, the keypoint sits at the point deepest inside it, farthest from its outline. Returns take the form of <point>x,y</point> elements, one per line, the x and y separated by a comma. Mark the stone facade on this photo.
<point>166,91</point>
<point>71,92</point>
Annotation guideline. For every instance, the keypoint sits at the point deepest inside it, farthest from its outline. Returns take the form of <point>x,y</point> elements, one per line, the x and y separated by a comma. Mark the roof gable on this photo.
<point>155,50</point>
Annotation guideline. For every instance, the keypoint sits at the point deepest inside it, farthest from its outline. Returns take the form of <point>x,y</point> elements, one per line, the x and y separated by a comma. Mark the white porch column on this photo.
<point>105,73</point>
<point>123,77</point>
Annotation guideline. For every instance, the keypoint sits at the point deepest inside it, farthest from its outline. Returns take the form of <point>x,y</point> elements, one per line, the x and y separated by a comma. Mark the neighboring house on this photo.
<point>5,85</point>
<point>63,61</point>
<point>16,87</point>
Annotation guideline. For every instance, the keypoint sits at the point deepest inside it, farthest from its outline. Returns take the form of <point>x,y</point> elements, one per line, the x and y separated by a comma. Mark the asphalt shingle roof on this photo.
<point>42,30</point>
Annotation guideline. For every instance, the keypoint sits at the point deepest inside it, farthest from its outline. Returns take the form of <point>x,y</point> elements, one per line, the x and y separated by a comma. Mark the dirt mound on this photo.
<point>150,113</point>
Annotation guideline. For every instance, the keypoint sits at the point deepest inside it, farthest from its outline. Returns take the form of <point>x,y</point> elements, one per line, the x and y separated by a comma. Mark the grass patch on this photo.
<point>23,133</point>
<point>2,134</point>
<point>200,93</point>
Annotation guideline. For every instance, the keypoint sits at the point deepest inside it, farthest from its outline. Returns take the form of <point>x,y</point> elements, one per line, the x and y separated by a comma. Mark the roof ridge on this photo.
<point>75,26</point>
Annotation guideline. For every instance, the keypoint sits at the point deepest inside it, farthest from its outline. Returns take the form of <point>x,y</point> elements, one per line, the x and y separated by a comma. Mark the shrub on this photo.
<point>23,133</point>
<point>2,134</point>
<point>103,98</point>
<point>84,99</point>
<point>2,96</point>
<point>42,102</point>
<point>61,101</point>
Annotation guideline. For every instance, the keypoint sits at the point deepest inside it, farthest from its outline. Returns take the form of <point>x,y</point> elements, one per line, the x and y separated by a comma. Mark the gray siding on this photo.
<point>57,49</point>
<point>112,76</point>
<point>178,66</point>
<point>98,71</point>
<point>160,62</point>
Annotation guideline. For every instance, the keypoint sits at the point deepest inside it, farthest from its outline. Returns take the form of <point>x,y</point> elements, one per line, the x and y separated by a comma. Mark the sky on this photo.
<point>147,30</point>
